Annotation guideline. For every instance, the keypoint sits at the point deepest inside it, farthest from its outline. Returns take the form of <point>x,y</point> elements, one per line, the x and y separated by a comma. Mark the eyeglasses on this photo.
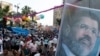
<point>86,27</point>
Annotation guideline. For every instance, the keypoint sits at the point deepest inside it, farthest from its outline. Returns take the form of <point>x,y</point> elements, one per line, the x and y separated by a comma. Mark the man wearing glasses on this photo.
<point>78,34</point>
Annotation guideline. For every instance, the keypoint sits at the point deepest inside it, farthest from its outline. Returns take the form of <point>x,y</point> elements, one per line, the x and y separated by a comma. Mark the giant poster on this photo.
<point>80,29</point>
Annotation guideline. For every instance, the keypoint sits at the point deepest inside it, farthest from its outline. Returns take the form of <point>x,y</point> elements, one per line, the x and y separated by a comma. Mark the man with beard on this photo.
<point>78,33</point>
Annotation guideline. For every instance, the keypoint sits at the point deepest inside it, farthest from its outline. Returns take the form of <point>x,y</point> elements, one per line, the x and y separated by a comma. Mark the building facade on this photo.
<point>3,4</point>
<point>57,14</point>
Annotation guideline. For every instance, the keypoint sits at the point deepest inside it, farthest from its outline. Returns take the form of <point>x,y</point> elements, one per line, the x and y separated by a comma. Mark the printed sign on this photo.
<point>79,32</point>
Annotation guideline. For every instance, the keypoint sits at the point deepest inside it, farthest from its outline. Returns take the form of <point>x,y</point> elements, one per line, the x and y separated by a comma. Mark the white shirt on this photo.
<point>50,42</point>
<point>37,54</point>
<point>54,49</point>
<point>1,41</point>
<point>1,49</point>
<point>38,42</point>
<point>7,39</point>
<point>33,47</point>
<point>67,51</point>
<point>21,43</point>
<point>55,40</point>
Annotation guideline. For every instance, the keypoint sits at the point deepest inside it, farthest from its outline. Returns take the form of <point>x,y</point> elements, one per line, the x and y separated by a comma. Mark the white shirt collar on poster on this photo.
<point>67,51</point>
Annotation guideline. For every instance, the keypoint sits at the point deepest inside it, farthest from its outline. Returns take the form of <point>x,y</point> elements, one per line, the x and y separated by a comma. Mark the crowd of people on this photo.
<point>39,43</point>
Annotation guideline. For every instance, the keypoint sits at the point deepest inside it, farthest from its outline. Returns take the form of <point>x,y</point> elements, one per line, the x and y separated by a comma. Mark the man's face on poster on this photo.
<point>83,35</point>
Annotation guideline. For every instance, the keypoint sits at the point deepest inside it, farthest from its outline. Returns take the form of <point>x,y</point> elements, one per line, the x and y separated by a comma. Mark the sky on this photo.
<point>38,5</point>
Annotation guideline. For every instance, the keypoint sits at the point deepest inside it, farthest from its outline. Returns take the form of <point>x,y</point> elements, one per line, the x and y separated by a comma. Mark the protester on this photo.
<point>38,43</point>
